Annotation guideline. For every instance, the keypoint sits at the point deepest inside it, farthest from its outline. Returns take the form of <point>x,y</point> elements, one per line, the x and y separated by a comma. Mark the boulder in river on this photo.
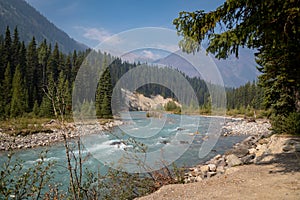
<point>116,143</point>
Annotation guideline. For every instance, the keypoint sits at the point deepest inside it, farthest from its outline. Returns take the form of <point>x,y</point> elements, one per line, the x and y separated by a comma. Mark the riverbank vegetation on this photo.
<point>269,27</point>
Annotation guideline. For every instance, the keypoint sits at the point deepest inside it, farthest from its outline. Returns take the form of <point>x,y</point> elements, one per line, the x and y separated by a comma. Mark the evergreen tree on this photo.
<point>22,60</point>
<point>43,56</point>
<point>7,89</point>
<point>104,93</point>
<point>75,66</point>
<point>32,76</point>
<point>19,95</point>
<point>106,107</point>
<point>53,63</point>
<point>5,53</point>
<point>35,108</point>
<point>46,109</point>
<point>15,50</point>
<point>271,26</point>
<point>68,69</point>
<point>63,95</point>
<point>7,47</point>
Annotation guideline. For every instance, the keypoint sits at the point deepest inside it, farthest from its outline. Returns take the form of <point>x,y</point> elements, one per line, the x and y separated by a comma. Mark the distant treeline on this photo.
<point>35,78</point>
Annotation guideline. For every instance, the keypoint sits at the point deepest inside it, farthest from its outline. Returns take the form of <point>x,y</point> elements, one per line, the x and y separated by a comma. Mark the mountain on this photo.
<point>234,71</point>
<point>238,71</point>
<point>31,23</point>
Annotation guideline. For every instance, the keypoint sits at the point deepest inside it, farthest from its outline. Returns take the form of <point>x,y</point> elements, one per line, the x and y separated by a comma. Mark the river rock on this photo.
<point>194,173</point>
<point>252,151</point>
<point>249,159</point>
<point>183,142</point>
<point>220,169</point>
<point>263,141</point>
<point>217,157</point>
<point>211,174</point>
<point>239,151</point>
<point>297,147</point>
<point>261,150</point>
<point>198,179</point>
<point>212,167</point>
<point>204,169</point>
<point>232,160</point>
<point>266,159</point>
<point>287,148</point>
<point>249,141</point>
<point>164,142</point>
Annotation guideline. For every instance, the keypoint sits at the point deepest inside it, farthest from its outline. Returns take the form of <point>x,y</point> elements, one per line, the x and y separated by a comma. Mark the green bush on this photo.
<point>289,124</point>
<point>172,106</point>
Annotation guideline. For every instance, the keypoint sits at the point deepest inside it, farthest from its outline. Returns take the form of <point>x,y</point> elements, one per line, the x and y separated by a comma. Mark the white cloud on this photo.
<point>144,56</point>
<point>96,33</point>
<point>150,55</point>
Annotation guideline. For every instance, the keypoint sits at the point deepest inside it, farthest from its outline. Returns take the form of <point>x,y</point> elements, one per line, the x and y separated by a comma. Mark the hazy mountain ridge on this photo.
<point>234,71</point>
<point>31,23</point>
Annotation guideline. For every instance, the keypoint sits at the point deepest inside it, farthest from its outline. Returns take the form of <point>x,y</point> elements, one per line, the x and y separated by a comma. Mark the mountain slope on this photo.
<point>31,23</point>
<point>238,71</point>
<point>235,72</point>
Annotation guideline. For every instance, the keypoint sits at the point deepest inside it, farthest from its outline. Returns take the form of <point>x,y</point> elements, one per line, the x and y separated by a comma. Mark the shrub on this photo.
<point>289,124</point>
<point>172,106</point>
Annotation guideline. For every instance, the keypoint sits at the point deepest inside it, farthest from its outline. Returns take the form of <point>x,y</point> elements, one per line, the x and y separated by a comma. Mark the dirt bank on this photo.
<point>275,176</point>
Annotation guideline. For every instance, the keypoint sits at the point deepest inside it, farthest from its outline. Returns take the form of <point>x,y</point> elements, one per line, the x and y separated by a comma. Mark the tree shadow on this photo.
<point>284,162</point>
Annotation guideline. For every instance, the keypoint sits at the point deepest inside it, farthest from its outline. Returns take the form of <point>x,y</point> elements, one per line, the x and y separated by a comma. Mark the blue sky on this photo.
<point>92,21</point>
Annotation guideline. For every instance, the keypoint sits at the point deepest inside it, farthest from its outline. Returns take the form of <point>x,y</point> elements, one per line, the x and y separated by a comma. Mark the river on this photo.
<point>174,138</point>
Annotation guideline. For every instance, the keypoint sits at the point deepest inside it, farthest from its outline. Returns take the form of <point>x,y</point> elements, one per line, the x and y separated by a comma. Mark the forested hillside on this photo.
<point>35,80</point>
<point>31,23</point>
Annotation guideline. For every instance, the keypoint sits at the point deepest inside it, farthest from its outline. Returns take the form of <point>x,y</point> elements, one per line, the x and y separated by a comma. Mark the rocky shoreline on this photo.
<point>240,126</point>
<point>51,135</point>
<point>260,147</point>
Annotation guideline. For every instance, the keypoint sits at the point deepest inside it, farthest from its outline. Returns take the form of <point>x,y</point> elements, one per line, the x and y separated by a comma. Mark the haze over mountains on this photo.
<point>31,23</point>
<point>235,72</point>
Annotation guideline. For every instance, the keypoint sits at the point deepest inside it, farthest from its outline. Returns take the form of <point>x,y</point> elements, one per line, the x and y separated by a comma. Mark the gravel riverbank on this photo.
<point>52,135</point>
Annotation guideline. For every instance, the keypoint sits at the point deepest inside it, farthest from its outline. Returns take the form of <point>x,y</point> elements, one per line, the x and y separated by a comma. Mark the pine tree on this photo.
<point>15,50</point>
<point>43,56</point>
<point>7,46</point>
<point>22,60</point>
<point>7,89</point>
<point>35,108</point>
<point>33,75</point>
<point>6,53</point>
<point>106,107</point>
<point>19,95</point>
<point>53,63</point>
<point>104,93</point>
<point>68,68</point>
<point>46,109</point>
<point>63,95</point>
<point>75,66</point>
